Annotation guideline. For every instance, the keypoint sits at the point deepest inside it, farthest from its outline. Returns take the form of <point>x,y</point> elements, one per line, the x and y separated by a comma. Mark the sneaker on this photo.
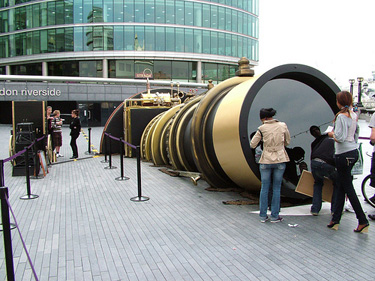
<point>265,219</point>
<point>279,219</point>
<point>314,213</point>
<point>60,155</point>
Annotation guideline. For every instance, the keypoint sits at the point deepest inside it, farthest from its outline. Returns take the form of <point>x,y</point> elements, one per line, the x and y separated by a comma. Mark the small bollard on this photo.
<point>139,198</point>
<point>6,233</point>
<point>28,195</point>
<point>122,177</point>
<point>105,149</point>
<point>110,155</point>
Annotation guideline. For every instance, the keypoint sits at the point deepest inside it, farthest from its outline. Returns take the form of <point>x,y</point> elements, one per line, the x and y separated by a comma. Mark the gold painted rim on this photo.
<point>226,138</point>
<point>173,146</point>
<point>212,174</point>
<point>156,154</point>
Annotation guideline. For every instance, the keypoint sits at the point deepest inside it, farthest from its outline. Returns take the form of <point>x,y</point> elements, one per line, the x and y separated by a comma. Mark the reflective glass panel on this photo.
<point>163,70</point>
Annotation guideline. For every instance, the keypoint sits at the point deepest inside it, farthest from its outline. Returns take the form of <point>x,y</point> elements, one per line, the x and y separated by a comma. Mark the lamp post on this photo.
<point>351,81</point>
<point>360,80</point>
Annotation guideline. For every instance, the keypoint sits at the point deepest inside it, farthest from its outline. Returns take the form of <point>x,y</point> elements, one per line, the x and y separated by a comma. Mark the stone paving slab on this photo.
<point>84,226</point>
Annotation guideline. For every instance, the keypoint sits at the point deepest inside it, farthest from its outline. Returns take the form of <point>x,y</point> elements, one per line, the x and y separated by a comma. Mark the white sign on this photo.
<point>33,93</point>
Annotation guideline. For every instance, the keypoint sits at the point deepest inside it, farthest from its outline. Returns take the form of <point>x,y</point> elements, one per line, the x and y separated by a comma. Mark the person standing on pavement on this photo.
<point>75,129</point>
<point>275,136</point>
<point>346,154</point>
<point>57,132</point>
<point>322,165</point>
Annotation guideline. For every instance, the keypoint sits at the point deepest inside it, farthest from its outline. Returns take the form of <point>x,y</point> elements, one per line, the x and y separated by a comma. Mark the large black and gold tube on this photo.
<point>302,97</point>
<point>211,133</point>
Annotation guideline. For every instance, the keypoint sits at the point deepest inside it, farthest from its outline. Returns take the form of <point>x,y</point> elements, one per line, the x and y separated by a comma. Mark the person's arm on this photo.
<point>340,132</point>
<point>256,139</point>
<point>287,137</point>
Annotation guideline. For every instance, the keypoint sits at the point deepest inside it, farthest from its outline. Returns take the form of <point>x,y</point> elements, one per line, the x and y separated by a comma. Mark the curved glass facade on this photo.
<point>204,31</point>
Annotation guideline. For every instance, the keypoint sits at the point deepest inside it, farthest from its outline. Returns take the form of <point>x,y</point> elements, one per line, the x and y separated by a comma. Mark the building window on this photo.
<point>91,69</point>
<point>163,70</point>
<point>143,69</point>
<point>26,69</point>
<point>209,71</point>
<point>64,68</point>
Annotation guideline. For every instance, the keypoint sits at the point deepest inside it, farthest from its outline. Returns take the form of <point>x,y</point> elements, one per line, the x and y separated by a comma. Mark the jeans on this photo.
<point>320,170</point>
<point>344,185</point>
<point>277,172</point>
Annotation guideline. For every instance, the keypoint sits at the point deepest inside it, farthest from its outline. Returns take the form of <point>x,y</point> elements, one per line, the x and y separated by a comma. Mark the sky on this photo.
<point>336,37</point>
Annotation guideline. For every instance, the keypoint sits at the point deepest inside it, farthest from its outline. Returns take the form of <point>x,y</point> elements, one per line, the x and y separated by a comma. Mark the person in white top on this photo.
<point>346,154</point>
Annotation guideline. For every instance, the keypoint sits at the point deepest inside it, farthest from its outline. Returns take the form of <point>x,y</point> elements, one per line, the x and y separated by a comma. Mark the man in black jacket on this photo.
<point>322,165</point>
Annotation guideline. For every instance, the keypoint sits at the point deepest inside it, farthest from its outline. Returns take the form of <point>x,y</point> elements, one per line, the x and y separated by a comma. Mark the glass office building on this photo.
<point>187,41</point>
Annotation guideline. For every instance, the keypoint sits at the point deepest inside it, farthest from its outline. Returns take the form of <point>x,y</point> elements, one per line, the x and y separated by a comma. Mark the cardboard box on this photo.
<point>306,186</point>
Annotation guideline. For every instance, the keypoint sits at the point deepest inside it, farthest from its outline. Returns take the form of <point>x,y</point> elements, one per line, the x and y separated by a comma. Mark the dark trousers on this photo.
<point>372,171</point>
<point>344,185</point>
<point>73,145</point>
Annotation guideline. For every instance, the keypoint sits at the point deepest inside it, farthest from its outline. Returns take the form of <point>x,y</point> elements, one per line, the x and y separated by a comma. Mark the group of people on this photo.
<point>55,130</point>
<point>332,155</point>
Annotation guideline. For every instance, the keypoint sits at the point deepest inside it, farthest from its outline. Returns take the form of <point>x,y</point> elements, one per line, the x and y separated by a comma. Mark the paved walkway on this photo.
<point>84,226</point>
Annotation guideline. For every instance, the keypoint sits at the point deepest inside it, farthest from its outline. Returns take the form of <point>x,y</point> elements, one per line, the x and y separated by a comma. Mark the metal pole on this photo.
<point>105,148</point>
<point>2,180</point>
<point>27,171</point>
<point>28,195</point>
<point>122,177</point>
<point>110,154</point>
<point>139,198</point>
<point>359,79</point>
<point>7,234</point>
<point>89,148</point>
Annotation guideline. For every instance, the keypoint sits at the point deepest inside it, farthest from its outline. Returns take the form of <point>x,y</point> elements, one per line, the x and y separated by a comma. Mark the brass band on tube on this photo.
<point>201,135</point>
<point>156,135</point>
<point>146,138</point>
<point>226,138</point>
<point>176,133</point>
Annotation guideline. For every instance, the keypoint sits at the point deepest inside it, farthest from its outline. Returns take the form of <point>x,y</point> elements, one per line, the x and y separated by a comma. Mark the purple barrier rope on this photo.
<point>19,153</point>
<point>117,139</point>
<point>363,138</point>
<point>23,242</point>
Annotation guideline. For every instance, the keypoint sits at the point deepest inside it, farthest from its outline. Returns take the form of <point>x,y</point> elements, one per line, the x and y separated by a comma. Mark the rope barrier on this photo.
<point>121,140</point>
<point>19,153</point>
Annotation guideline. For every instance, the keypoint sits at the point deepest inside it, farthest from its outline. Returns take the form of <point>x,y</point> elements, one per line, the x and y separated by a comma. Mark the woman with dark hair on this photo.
<point>75,129</point>
<point>345,134</point>
<point>275,136</point>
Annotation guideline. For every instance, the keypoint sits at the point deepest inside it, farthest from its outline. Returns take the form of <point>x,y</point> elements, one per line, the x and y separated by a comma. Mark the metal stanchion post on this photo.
<point>139,198</point>
<point>110,154</point>
<point>122,177</point>
<point>105,149</point>
<point>2,180</point>
<point>2,183</point>
<point>28,195</point>
<point>7,234</point>
<point>89,150</point>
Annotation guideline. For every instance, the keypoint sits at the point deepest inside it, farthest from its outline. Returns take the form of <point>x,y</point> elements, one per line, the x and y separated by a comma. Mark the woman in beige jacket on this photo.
<point>275,136</point>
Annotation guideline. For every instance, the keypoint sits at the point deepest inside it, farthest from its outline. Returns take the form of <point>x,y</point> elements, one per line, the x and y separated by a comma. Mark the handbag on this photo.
<point>358,166</point>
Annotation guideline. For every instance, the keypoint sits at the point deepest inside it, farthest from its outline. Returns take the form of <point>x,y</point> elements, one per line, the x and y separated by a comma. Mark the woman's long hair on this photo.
<point>345,99</point>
